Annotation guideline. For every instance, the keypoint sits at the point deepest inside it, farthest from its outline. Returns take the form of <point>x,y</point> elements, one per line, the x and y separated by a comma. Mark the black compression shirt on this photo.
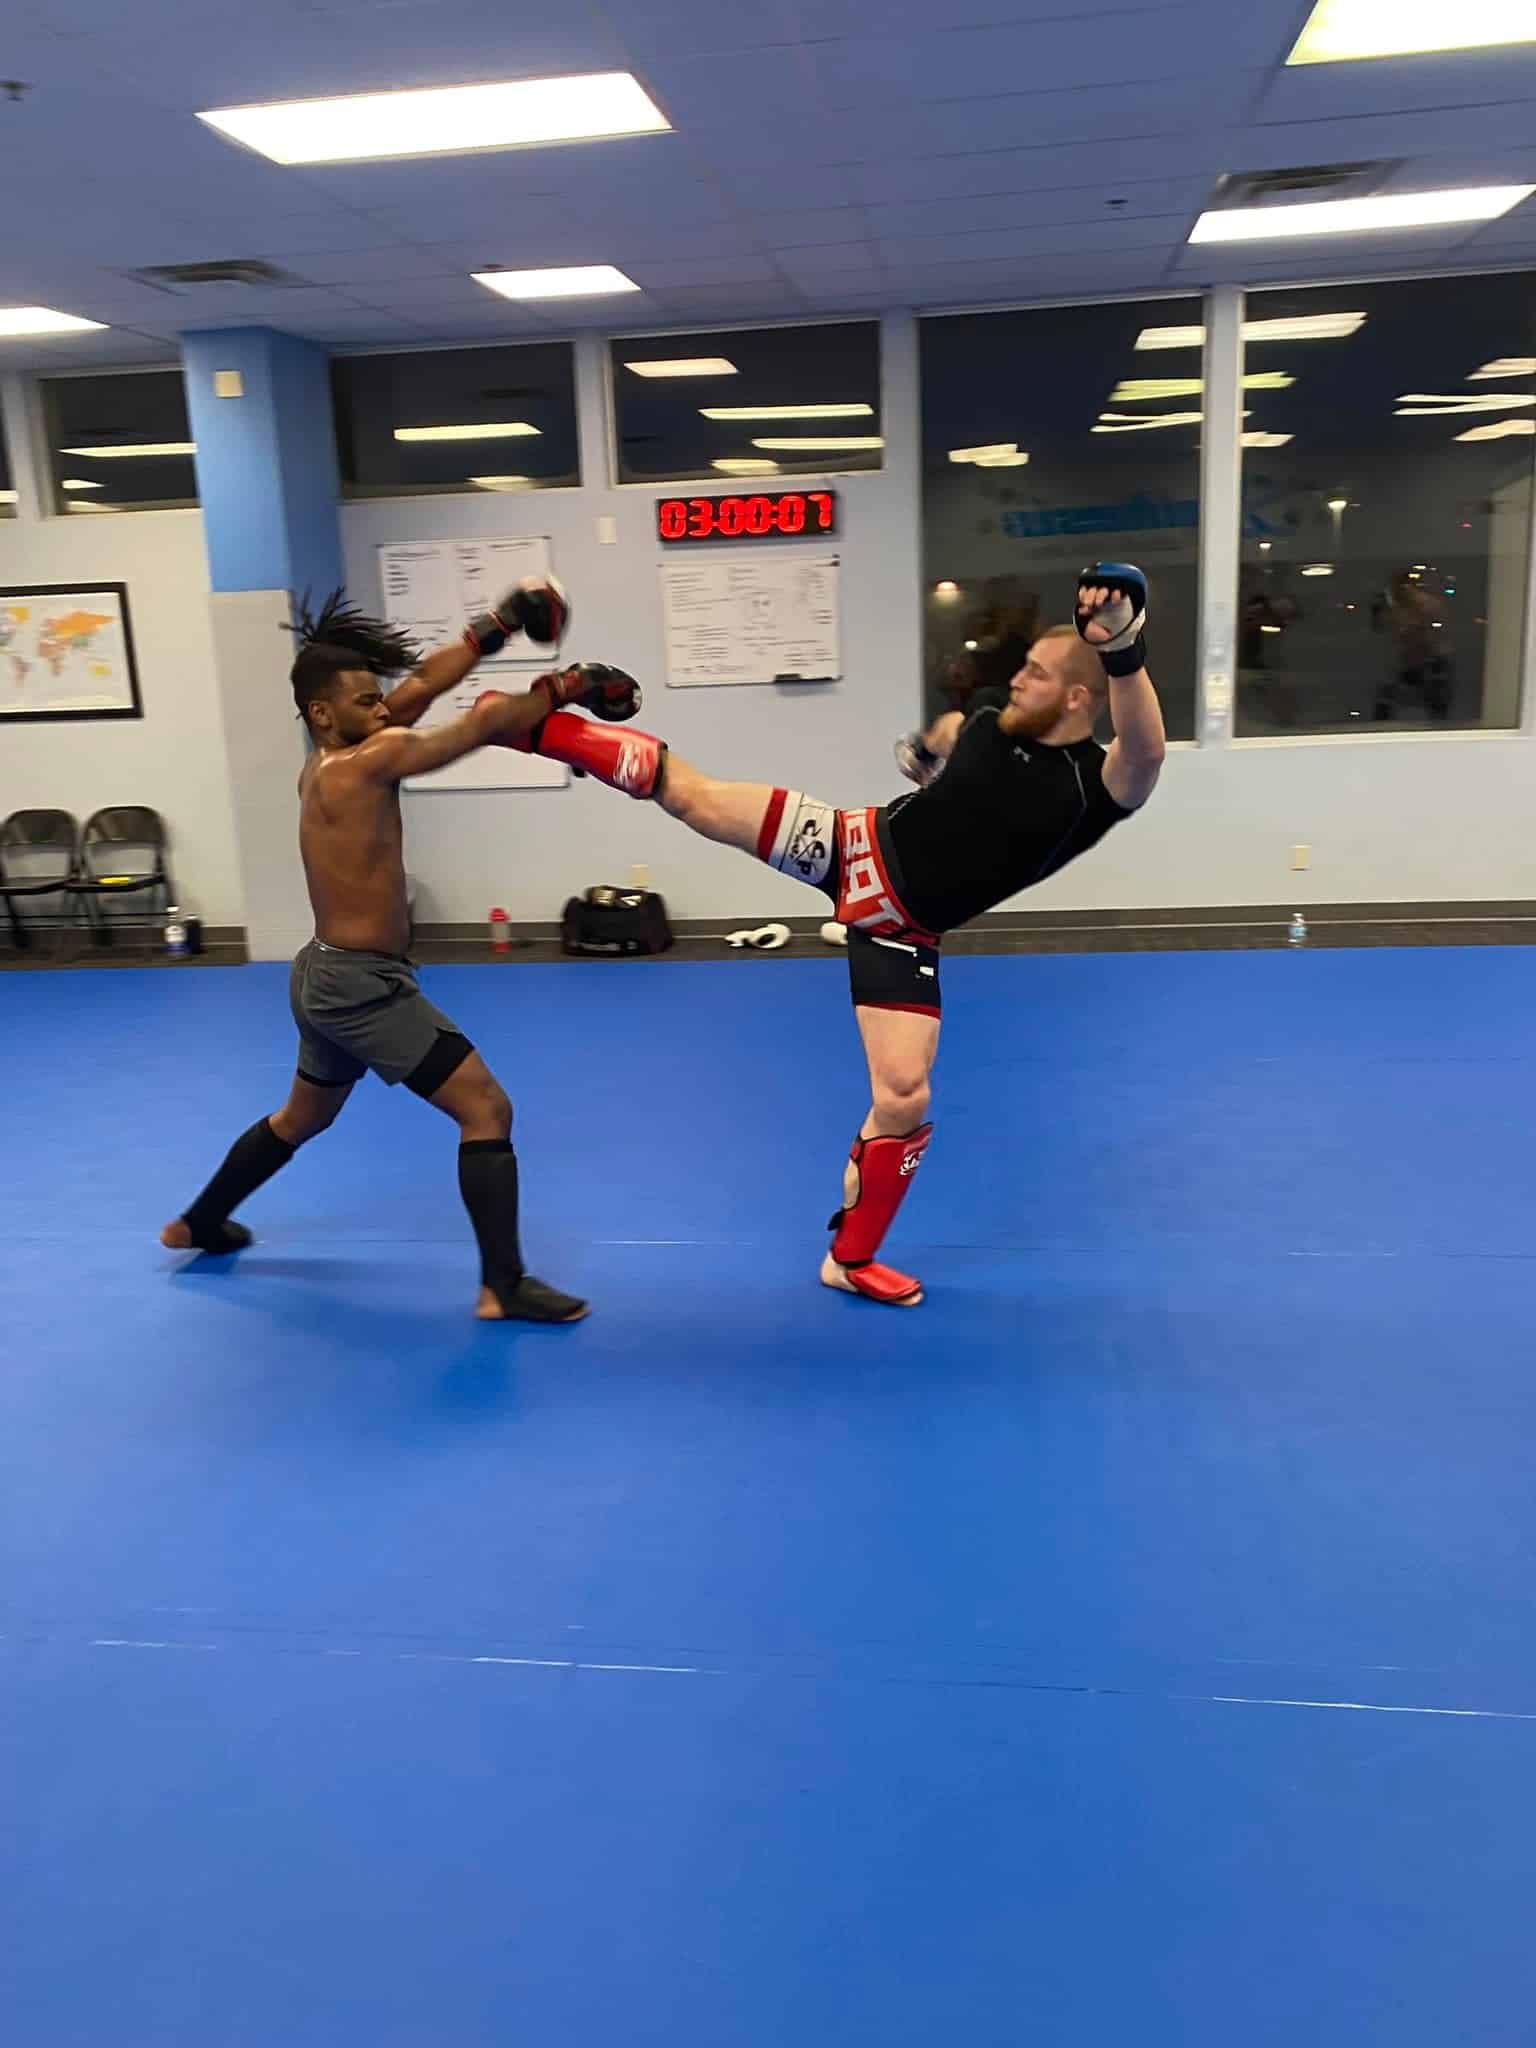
<point>1004,814</point>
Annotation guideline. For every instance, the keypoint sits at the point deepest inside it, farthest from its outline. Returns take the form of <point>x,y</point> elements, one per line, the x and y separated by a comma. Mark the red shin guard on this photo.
<point>627,760</point>
<point>875,1182</point>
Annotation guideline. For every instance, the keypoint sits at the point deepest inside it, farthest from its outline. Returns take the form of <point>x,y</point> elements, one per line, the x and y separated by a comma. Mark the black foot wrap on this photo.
<point>215,1238</point>
<point>531,1301</point>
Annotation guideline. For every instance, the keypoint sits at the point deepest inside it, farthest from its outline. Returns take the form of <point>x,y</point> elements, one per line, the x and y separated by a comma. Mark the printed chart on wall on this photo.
<point>67,652</point>
<point>757,618</point>
<point>432,588</point>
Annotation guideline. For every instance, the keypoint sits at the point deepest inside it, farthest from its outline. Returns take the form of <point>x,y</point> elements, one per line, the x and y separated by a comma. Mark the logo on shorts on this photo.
<point>808,850</point>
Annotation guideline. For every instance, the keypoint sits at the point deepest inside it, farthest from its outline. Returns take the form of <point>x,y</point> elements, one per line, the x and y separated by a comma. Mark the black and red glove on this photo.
<point>537,607</point>
<point>605,692</point>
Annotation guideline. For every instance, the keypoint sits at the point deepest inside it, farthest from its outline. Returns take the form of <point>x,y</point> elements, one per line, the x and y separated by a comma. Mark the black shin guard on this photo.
<point>252,1159</point>
<point>488,1183</point>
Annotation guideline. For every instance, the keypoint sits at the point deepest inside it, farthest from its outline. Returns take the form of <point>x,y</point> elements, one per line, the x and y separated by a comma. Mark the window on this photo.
<point>766,402</point>
<point>1387,507</point>
<point>119,442</point>
<point>456,419</point>
<point>1051,439</point>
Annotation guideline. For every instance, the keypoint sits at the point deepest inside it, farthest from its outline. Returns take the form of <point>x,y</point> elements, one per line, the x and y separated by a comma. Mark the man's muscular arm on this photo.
<point>392,755</point>
<point>538,607</point>
<point>1111,611</point>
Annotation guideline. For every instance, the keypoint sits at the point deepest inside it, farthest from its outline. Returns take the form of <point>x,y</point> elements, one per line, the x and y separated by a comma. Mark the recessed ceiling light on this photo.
<point>31,320</point>
<point>803,443</point>
<point>745,465</point>
<point>1130,390</point>
<point>78,483</point>
<point>1344,31</point>
<point>1141,423</point>
<point>980,454</point>
<point>1359,216</point>
<point>1259,439</point>
<point>946,587</point>
<point>787,412</point>
<point>1498,430</point>
<point>1317,568</point>
<point>501,483</point>
<point>584,281</point>
<point>132,450</point>
<point>1271,629</point>
<point>443,120</point>
<point>685,366</point>
<point>502,430</point>
<point>1419,405</point>
<point>1338,504</point>
<point>1504,366</point>
<point>1309,327</point>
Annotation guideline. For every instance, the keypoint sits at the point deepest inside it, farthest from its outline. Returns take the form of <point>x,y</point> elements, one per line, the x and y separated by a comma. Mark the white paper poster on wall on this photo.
<point>432,588</point>
<point>760,617</point>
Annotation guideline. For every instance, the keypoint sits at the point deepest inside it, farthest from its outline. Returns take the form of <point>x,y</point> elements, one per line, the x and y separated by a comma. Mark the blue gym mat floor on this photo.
<point>1133,1645</point>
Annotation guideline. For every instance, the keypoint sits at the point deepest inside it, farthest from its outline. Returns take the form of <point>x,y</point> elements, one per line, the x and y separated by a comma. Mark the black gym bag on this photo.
<point>615,921</point>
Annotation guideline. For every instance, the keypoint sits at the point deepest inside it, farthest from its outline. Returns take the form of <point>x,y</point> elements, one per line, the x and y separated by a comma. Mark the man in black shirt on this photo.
<point>1026,789</point>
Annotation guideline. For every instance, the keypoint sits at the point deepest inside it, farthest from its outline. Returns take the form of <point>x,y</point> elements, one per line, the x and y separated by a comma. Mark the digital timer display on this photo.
<point>749,515</point>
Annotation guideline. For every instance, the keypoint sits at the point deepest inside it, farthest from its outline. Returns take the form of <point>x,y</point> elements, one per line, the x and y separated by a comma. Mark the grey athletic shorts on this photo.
<point>360,1010</point>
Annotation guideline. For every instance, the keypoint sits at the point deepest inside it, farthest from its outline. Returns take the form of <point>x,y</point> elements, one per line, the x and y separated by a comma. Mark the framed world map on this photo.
<point>66,651</point>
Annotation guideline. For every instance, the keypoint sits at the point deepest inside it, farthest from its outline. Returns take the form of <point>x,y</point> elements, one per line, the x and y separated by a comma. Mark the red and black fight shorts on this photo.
<point>893,962</point>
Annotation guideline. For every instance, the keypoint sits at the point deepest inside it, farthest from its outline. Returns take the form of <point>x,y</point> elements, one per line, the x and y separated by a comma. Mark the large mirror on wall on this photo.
<point>119,441</point>
<point>413,422</point>
<point>747,405</point>
<point>1052,438</point>
<point>1386,540</point>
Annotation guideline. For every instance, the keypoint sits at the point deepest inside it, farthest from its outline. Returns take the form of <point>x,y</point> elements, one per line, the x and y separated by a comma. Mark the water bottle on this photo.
<point>500,937</point>
<point>1297,934</point>
<point>175,934</point>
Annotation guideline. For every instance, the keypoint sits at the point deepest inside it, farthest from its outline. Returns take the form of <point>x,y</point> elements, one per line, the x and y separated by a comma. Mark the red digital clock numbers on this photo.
<point>756,515</point>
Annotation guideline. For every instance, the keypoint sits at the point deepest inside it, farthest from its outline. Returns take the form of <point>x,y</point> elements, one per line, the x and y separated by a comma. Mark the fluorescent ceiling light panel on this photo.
<point>787,412</point>
<point>980,454</point>
<point>1345,31</point>
<point>502,430</point>
<point>1317,569</point>
<point>1132,390</point>
<point>1014,461</point>
<point>746,465</point>
<point>500,483</point>
<point>1135,423</point>
<point>1259,439</point>
<point>133,450</point>
<point>584,281</point>
<point>1420,405</point>
<point>685,366</point>
<point>1504,366</point>
<point>10,497</point>
<point>31,320</point>
<point>443,120</point>
<point>803,444</point>
<point>88,505</point>
<point>1498,430</point>
<point>1359,216</point>
<point>78,483</point>
<point>1309,327</point>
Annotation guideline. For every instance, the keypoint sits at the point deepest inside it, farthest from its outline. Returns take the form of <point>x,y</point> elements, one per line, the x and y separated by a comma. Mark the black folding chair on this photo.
<point>104,871</point>
<point>38,855</point>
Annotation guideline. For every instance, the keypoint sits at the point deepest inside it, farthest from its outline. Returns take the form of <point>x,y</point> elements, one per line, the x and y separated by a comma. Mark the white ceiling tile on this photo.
<point>741,84</point>
<point>1037,238</point>
<point>1014,209</point>
<point>706,271</point>
<point>1072,167</point>
<point>1452,78</point>
<point>344,267</point>
<point>799,229</point>
<point>835,259</point>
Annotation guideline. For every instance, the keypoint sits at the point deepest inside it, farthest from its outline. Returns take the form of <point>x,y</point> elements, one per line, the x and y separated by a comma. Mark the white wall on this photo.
<point>173,758</point>
<point>530,849</point>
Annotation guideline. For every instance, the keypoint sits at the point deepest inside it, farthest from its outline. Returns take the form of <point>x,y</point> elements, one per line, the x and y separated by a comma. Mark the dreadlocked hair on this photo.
<point>338,638</point>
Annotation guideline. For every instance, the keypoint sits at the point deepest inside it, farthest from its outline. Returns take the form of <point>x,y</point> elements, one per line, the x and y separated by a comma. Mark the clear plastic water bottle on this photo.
<point>175,933</point>
<point>1296,935</point>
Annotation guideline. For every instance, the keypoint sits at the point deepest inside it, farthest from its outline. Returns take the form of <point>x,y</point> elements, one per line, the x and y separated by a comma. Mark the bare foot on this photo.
<point>176,1237</point>
<point>530,1302</point>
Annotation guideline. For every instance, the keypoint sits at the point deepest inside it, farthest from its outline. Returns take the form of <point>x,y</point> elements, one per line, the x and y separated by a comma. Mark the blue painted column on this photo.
<point>266,459</point>
<point>267,479</point>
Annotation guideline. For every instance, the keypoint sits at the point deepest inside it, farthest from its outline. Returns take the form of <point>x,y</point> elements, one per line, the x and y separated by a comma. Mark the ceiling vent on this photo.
<point>180,277</point>
<point>1304,182</point>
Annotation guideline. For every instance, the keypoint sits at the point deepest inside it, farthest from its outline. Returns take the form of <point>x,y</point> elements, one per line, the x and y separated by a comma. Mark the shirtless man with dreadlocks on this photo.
<point>353,992</point>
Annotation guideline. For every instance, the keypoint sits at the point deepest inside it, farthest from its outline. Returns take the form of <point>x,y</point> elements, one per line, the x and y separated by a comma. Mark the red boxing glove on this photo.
<point>606,692</point>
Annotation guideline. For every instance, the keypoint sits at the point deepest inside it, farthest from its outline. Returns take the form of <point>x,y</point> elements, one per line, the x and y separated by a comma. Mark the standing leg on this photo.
<point>900,1046</point>
<point>252,1160</point>
<point>477,1103</point>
